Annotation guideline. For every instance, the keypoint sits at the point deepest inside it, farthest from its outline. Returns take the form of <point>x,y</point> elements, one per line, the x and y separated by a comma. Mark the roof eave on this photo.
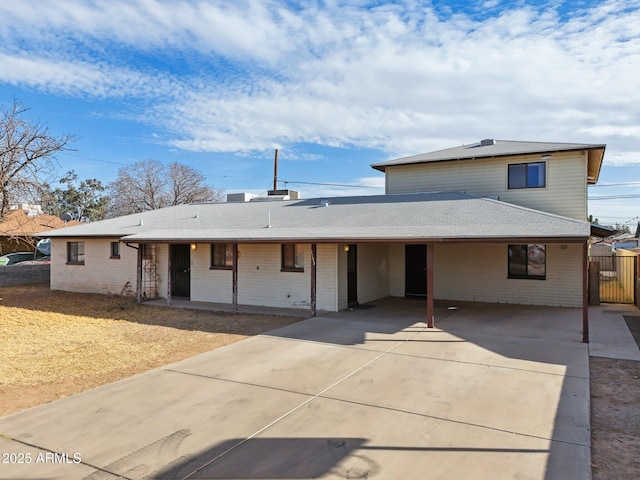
<point>407,240</point>
<point>590,148</point>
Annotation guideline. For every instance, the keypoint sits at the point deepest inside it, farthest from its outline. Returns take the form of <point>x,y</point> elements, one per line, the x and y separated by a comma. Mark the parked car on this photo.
<point>17,257</point>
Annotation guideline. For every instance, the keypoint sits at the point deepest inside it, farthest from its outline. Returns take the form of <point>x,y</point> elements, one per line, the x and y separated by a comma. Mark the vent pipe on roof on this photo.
<point>487,141</point>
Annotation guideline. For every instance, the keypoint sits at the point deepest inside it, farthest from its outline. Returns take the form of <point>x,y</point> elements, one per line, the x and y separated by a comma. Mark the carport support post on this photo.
<point>430,285</point>
<point>139,274</point>
<point>169,277</point>
<point>585,292</point>
<point>234,288</point>
<point>314,275</point>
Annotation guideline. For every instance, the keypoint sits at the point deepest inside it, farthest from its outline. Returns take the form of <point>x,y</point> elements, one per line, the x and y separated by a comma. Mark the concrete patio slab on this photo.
<point>336,440</point>
<point>365,394</point>
<point>537,355</point>
<point>288,367</point>
<point>610,336</point>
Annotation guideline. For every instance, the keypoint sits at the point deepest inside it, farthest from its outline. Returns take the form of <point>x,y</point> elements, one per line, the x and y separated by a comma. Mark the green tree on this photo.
<point>84,200</point>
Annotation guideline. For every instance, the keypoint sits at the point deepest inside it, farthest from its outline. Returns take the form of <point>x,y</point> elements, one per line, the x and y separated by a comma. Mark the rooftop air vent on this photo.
<point>487,141</point>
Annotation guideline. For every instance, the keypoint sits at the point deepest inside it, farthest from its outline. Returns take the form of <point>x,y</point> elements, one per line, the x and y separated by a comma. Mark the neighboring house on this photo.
<point>626,240</point>
<point>496,221</point>
<point>21,228</point>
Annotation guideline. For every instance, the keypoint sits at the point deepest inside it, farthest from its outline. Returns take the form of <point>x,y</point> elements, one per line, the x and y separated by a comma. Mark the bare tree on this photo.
<point>149,185</point>
<point>186,185</point>
<point>26,151</point>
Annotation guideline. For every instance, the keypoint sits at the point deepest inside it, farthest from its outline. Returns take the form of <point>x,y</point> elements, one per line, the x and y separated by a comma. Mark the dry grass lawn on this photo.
<point>56,344</point>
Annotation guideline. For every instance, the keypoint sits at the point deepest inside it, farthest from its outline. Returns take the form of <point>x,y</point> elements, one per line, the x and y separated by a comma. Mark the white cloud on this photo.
<point>81,79</point>
<point>395,77</point>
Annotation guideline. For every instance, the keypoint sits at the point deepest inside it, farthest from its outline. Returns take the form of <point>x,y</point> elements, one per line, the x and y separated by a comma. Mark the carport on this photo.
<point>456,231</point>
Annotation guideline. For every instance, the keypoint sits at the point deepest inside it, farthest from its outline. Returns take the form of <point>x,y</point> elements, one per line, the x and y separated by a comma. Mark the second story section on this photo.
<point>550,177</point>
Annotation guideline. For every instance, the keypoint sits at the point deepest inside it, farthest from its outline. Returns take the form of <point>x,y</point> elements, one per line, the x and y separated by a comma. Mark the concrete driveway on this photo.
<point>494,392</point>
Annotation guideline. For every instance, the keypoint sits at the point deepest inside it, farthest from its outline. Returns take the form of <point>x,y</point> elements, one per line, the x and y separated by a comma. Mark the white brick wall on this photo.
<point>396,270</point>
<point>373,272</point>
<point>472,272</point>
<point>260,281</point>
<point>477,272</point>
<point>343,290</point>
<point>99,274</point>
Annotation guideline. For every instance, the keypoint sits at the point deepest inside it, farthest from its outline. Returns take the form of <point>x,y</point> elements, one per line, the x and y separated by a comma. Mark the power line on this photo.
<point>614,197</point>
<point>93,159</point>
<point>326,184</point>
<point>614,184</point>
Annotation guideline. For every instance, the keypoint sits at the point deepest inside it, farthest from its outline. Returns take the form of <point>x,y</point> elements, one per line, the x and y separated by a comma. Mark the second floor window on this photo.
<point>527,175</point>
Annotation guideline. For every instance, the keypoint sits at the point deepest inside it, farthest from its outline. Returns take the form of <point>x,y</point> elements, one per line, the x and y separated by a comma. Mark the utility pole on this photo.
<point>275,171</point>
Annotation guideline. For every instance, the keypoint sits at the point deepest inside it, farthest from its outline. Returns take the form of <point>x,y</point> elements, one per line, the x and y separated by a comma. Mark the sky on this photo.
<point>333,85</point>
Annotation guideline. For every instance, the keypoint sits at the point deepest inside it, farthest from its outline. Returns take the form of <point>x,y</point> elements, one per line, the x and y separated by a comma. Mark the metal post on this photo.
<point>314,274</point>
<point>139,273</point>
<point>430,308</point>
<point>169,286</point>
<point>585,292</point>
<point>234,287</point>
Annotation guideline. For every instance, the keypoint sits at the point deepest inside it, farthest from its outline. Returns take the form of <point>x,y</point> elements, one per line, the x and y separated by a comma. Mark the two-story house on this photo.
<point>495,221</point>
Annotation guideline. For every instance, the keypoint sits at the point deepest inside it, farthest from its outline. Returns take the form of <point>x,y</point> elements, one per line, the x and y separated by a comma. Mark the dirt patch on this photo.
<point>615,419</point>
<point>56,344</point>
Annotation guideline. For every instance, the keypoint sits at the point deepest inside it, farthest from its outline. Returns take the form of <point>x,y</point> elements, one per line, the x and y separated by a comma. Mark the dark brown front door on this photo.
<point>352,275</point>
<point>415,281</point>
<point>180,270</point>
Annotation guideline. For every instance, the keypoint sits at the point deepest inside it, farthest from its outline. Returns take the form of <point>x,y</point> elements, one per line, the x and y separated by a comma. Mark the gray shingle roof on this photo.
<point>487,149</point>
<point>402,217</point>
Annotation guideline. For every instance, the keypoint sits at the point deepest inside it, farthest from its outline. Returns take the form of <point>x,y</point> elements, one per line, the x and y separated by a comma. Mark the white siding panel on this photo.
<point>99,274</point>
<point>565,193</point>
<point>373,266</point>
<point>479,273</point>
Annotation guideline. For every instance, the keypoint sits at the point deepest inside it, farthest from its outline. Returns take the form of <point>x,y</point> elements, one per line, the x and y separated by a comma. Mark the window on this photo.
<point>528,261</point>
<point>75,253</point>
<point>527,175</point>
<point>221,255</point>
<point>115,250</point>
<point>292,257</point>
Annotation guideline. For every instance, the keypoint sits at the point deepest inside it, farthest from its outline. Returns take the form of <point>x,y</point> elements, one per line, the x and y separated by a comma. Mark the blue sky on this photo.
<point>334,85</point>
